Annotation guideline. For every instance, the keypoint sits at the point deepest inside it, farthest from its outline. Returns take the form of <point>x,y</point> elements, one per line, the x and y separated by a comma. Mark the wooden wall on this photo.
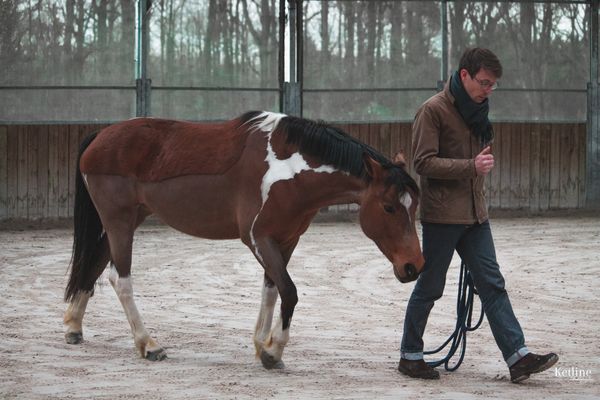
<point>539,166</point>
<point>37,164</point>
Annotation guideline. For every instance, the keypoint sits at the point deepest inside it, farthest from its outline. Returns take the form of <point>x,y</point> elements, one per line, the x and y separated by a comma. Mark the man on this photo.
<point>452,155</point>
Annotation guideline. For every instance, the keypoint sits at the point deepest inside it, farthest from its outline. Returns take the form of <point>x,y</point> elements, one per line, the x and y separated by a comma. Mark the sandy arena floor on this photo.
<point>200,299</point>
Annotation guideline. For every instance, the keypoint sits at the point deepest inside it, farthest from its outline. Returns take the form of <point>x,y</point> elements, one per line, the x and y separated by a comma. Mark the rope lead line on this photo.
<point>464,317</point>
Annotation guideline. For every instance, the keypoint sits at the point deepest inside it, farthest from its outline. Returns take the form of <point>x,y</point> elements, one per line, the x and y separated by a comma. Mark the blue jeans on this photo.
<point>475,245</point>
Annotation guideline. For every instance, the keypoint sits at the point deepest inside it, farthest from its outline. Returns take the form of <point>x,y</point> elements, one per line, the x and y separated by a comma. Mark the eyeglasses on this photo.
<point>487,84</point>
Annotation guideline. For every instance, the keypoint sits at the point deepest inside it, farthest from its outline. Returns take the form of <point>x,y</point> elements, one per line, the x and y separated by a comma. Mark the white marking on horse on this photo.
<point>406,201</point>
<point>124,290</point>
<point>278,170</point>
<point>281,170</point>
<point>268,121</point>
<point>265,317</point>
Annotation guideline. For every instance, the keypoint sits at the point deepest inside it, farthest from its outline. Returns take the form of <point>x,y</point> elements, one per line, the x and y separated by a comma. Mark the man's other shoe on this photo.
<point>531,364</point>
<point>417,369</point>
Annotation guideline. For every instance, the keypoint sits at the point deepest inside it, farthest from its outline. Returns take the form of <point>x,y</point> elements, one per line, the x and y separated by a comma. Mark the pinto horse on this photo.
<point>261,177</point>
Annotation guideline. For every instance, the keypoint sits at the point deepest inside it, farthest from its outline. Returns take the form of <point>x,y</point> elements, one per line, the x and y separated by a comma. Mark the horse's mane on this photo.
<point>330,145</point>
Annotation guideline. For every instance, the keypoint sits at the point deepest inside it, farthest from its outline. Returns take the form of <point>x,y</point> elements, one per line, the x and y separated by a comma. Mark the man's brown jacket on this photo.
<point>444,150</point>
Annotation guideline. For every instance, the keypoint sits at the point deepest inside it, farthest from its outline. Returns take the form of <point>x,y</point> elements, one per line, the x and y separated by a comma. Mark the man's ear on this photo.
<point>399,159</point>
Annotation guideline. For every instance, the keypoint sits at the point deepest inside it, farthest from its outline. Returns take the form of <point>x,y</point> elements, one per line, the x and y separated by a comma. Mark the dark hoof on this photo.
<point>157,355</point>
<point>74,337</point>
<point>269,362</point>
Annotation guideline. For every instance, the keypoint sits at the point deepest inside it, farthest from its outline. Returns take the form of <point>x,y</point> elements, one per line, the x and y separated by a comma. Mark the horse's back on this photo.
<point>153,150</point>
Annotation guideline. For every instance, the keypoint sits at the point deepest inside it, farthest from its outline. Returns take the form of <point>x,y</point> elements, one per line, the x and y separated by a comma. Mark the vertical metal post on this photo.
<point>444,28</point>
<point>593,117</point>
<point>142,83</point>
<point>292,25</point>
<point>292,103</point>
<point>281,57</point>
<point>300,55</point>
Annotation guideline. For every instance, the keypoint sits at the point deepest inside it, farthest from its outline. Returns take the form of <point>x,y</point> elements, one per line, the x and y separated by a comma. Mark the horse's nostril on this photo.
<point>410,270</point>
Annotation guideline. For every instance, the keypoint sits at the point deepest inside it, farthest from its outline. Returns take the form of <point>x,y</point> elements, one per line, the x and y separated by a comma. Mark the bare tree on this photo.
<point>9,37</point>
<point>265,36</point>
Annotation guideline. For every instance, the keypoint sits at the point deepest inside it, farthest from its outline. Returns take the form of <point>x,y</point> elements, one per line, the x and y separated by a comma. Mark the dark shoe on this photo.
<point>531,364</point>
<point>417,369</point>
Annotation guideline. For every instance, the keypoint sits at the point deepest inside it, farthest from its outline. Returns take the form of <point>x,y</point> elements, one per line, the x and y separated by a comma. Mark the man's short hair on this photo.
<point>477,58</point>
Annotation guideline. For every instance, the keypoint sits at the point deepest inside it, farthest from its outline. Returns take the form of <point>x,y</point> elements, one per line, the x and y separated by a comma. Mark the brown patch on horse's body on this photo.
<point>153,150</point>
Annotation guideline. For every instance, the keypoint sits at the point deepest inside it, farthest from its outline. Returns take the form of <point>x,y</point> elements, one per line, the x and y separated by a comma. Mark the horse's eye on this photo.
<point>389,209</point>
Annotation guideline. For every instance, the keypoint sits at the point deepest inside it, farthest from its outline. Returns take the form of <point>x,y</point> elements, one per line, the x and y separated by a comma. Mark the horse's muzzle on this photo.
<point>410,273</point>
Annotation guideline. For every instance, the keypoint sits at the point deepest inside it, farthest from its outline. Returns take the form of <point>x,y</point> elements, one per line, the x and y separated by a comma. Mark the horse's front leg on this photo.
<point>270,345</point>
<point>265,316</point>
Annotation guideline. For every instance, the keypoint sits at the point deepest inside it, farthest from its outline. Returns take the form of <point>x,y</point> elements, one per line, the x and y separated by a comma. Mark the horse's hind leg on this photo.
<point>120,237</point>
<point>73,317</point>
<point>146,346</point>
<point>118,206</point>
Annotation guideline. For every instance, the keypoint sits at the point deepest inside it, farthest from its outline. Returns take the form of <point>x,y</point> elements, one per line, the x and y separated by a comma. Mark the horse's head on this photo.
<point>387,216</point>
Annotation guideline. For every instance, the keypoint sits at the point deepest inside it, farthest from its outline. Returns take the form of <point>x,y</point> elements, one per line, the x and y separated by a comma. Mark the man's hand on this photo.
<point>484,161</point>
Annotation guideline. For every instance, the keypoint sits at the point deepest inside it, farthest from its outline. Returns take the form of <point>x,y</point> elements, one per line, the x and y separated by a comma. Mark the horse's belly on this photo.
<point>202,206</point>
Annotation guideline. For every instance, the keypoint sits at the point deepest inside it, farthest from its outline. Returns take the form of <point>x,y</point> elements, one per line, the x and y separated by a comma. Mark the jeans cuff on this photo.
<point>517,355</point>
<point>411,356</point>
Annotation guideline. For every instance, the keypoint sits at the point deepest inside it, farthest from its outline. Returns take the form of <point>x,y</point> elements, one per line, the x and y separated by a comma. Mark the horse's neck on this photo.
<point>337,188</point>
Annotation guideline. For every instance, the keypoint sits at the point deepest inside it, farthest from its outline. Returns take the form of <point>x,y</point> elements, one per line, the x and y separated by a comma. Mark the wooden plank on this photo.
<point>374,141</point>
<point>523,168</point>
<point>12,164</point>
<point>534,168</point>
<point>515,161</point>
<point>53,171</point>
<point>492,181</point>
<point>364,134</point>
<point>23,173</point>
<point>63,170</point>
<point>504,167</point>
<point>32,173</point>
<point>574,166</point>
<point>3,173</point>
<point>544,185</point>
<point>563,155</point>
<point>74,134</point>
<point>394,132</point>
<point>497,151</point>
<point>568,190</point>
<point>582,154</point>
<point>37,180</point>
<point>405,144</point>
<point>353,130</point>
<point>42,178</point>
<point>555,166</point>
<point>385,144</point>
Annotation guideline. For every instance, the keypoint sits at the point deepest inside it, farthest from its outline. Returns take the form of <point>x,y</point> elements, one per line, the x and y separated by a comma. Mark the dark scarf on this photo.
<point>474,114</point>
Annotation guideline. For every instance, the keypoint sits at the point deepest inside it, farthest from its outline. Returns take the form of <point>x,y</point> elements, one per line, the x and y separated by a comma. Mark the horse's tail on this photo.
<point>88,235</point>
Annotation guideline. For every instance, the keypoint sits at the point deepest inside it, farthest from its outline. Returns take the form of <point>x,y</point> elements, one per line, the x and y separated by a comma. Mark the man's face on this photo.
<point>480,86</point>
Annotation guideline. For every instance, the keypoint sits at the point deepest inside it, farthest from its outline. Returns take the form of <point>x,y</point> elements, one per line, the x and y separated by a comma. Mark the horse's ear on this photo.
<point>399,159</point>
<point>372,167</point>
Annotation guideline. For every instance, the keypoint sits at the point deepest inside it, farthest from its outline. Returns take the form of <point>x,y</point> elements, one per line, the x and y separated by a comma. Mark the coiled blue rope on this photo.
<point>464,318</point>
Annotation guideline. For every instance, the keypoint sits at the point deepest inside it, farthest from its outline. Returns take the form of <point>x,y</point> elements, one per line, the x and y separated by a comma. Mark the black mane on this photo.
<point>330,145</point>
